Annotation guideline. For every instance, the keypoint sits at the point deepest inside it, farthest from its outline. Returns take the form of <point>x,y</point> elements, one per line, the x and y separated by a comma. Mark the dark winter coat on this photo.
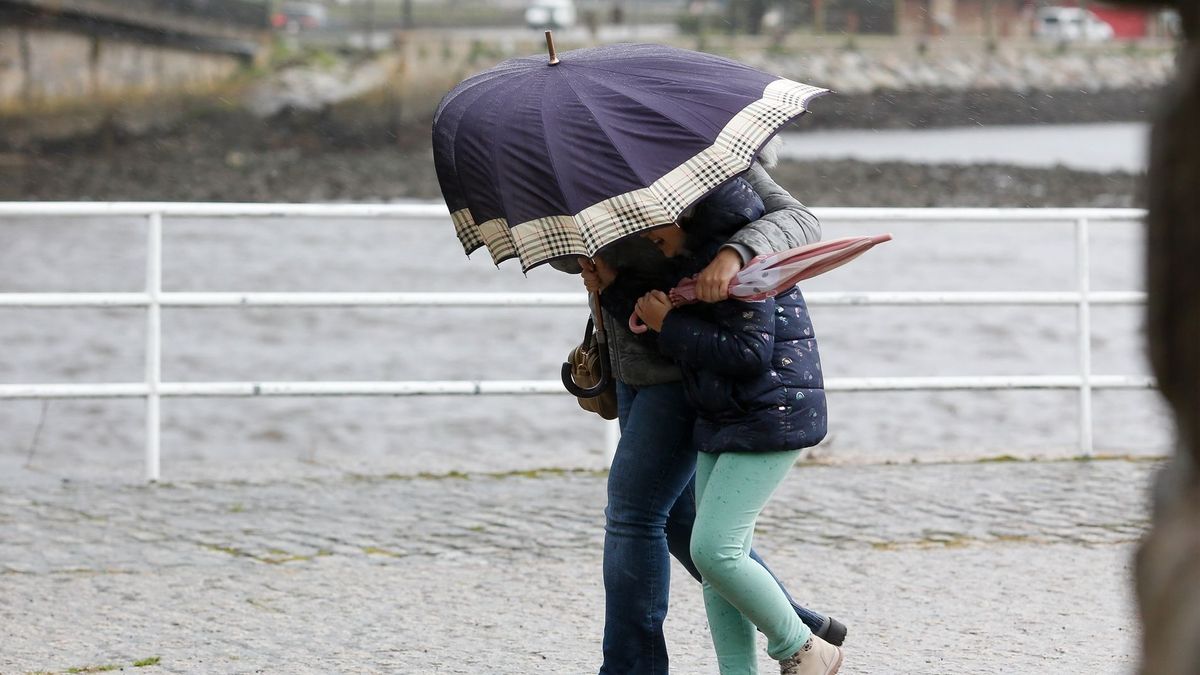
<point>752,371</point>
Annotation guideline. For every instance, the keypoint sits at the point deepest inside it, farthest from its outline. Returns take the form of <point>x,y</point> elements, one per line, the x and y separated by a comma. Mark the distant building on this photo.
<point>1128,23</point>
<point>907,17</point>
<point>1008,18</point>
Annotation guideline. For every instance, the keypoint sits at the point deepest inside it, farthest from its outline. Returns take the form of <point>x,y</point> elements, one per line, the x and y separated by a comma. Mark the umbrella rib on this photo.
<point>624,93</point>
<point>584,103</point>
<point>479,79</point>
<point>665,66</point>
<point>491,84</point>
<point>491,146</point>
<point>553,164</point>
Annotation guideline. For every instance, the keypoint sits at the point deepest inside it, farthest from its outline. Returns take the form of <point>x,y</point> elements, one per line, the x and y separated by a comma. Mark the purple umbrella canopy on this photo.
<point>541,160</point>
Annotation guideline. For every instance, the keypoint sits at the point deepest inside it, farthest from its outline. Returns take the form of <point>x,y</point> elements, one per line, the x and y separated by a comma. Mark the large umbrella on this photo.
<point>769,275</point>
<point>542,159</point>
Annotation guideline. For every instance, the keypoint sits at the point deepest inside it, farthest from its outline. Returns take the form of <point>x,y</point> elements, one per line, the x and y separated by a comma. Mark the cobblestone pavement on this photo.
<point>955,568</point>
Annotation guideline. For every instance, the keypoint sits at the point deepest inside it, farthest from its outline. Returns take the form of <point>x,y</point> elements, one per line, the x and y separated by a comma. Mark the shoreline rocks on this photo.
<point>1021,70</point>
<point>195,170</point>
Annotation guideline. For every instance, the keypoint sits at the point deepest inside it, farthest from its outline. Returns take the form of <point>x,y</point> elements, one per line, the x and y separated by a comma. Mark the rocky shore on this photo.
<point>171,170</point>
<point>1017,67</point>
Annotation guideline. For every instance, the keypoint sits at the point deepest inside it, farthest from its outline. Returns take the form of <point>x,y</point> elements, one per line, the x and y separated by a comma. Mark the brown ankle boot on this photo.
<point>816,657</point>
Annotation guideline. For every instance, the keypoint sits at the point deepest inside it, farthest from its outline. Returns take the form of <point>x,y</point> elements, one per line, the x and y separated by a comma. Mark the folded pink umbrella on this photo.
<point>769,275</point>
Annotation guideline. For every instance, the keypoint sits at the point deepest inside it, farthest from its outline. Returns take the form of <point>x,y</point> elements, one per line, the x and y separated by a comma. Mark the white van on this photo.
<point>1070,24</point>
<point>544,14</point>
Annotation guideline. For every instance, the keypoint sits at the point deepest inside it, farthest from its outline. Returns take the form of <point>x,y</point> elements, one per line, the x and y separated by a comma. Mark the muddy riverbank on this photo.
<point>363,154</point>
<point>294,175</point>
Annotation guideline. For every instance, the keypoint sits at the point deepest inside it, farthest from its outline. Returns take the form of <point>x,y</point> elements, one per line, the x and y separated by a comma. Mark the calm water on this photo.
<point>1089,147</point>
<point>266,437</point>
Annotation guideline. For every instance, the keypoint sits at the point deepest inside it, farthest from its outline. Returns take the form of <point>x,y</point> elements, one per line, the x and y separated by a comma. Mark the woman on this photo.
<point>651,505</point>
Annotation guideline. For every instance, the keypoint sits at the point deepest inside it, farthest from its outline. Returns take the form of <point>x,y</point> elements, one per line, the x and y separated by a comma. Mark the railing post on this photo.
<point>153,342</point>
<point>612,436</point>
<point>1083,273</point>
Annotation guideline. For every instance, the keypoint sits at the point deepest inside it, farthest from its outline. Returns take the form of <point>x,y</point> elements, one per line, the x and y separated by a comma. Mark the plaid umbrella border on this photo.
<point>544,239</point>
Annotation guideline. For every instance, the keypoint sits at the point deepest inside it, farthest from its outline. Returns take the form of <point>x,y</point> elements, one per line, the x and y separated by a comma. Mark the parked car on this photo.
<point>1070,24</point>
<point>544,14</point>
<point>298,16</point>
<point>1169,23</point>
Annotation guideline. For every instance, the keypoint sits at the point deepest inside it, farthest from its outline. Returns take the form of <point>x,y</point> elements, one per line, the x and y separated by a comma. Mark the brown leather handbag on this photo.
<point>586,375</point>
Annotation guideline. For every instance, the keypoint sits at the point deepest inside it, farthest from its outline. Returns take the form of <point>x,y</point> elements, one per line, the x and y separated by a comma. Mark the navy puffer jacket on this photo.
<point>752,371</point>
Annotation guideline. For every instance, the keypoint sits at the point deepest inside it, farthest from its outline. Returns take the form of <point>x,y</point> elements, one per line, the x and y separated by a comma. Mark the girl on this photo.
<point>753,373</point>
<point>651,502</point>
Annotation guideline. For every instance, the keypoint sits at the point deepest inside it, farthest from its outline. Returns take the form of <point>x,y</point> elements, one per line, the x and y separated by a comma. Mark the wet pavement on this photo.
<point>980,567</point>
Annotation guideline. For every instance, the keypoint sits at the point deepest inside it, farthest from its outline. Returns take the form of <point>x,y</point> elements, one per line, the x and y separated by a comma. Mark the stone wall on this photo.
<point>45,68</point>
<point>1015,67</point>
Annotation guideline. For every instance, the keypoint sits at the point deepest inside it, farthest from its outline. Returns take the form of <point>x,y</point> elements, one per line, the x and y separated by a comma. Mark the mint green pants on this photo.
<point>739,594</point>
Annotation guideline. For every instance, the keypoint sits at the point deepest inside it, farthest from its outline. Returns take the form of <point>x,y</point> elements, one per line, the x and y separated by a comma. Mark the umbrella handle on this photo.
<point>602,345</point>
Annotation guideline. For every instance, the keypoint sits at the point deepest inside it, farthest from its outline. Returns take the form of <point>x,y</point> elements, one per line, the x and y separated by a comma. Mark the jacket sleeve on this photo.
<point>739,342</point>
<point>786,224</point>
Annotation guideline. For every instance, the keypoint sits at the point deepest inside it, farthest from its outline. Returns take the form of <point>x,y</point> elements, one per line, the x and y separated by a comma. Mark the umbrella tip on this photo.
<point>550,48</point>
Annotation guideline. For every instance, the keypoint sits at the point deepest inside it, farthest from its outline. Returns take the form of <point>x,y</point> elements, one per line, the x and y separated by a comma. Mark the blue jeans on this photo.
<point>651,508</point>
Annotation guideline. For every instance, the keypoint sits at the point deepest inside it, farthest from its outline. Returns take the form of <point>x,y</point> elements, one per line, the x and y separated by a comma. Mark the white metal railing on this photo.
<point>154,299</point>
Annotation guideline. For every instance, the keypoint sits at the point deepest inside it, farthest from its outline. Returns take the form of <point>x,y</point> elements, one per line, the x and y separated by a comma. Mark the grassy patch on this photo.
<point>375,550</point>
<point>140,663</point>
<point>955,541</point>
<point>286,558</point>
<point>262,605</point>
<point>1119,458</point>
<point>454,475</point>
<point>273,556</point>
<point>546,472</point>
<point>220,548</point>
